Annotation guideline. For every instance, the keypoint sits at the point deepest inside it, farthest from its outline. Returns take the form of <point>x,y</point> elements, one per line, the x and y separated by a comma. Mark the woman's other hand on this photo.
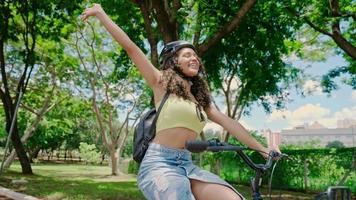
<point>93,11</point>
<point>274,149</point>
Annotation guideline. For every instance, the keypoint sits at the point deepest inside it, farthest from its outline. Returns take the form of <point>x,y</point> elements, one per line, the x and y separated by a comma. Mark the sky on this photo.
<point>315,106</point>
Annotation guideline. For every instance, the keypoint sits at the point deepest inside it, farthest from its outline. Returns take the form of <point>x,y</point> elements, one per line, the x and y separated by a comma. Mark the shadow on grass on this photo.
<point>53,188</point>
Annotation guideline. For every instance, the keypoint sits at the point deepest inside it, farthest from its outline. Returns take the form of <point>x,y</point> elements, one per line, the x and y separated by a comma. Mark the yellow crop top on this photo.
<point>177,112</point>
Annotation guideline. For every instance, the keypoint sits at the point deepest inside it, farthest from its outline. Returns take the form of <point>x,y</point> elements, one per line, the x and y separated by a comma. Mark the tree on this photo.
<point>113,94</point>
<point>44,90</point>
<point>332,19</point>
<point>23,22</point>
<point>245,75</point>
<point>233,39</point>
<point>326,17</point>
<point>168,21</point>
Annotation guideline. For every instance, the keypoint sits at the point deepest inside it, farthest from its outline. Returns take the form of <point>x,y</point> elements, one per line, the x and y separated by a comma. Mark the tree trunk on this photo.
<point>21,153</point>
<point>9,113</point>
<point>114,158</point>
<point>34,154</point>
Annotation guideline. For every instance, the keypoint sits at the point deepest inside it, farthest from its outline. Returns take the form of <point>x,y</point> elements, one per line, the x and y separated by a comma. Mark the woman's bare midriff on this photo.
<point>174,137</point>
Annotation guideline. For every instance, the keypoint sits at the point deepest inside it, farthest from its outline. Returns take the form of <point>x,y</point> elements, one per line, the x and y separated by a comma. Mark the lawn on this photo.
<point>73,181</point>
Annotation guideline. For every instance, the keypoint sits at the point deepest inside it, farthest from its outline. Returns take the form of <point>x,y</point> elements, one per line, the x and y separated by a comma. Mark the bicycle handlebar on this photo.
<point>215,145</point>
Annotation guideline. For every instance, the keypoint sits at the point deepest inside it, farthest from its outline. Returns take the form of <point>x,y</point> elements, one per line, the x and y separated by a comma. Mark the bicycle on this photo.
<point>215,145</point>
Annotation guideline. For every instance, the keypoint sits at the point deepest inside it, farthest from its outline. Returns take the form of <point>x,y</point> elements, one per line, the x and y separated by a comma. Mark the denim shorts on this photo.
<point>165,172</point>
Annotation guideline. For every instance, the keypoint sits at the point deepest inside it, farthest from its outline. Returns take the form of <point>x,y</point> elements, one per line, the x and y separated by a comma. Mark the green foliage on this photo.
<point>252,53</point>
<point>335,144</point>
<point>133,167</point>
<point>261,139</point>
<point>325,167</point>
<point>89,153</point>
<point>311,144</point>
<point>328,80</point>
<point>3,133</point>
<point>67,124</point>
<point>320,15</point>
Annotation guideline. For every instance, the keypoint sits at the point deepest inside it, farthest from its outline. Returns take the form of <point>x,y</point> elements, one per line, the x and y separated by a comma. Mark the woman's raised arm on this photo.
<point>148,71</point>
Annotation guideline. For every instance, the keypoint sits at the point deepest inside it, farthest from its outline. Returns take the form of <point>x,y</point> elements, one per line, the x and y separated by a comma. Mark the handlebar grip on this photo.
<point>196,146</point>
<point>274,154</point>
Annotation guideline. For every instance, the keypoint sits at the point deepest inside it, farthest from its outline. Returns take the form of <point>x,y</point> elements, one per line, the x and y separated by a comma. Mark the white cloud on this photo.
<point>309,112</point>
<point>328,122</point>
<point>313,87</point>
<point>349,113</point>
<point>353,95</point>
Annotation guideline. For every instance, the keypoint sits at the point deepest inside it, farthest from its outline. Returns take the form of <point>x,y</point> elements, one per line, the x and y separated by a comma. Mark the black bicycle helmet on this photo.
<point>171,48</point>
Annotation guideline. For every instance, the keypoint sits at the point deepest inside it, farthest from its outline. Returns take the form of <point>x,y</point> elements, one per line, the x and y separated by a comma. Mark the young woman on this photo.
<point>167,171</point>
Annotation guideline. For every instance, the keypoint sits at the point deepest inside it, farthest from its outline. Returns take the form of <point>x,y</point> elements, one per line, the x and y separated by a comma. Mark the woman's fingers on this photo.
<point>88,12</point>
<point>96,8</point>
<point>85,14</point>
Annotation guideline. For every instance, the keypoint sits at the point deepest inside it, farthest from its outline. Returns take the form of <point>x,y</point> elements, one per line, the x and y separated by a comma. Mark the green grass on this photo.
<point>62,181</point>
<point>72,181</point>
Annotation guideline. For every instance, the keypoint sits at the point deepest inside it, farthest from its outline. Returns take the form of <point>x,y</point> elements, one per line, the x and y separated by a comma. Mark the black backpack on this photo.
<point>145,131</point>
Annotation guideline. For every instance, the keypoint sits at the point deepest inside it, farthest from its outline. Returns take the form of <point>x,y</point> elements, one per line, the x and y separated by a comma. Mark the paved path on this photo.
<point>6,194</point>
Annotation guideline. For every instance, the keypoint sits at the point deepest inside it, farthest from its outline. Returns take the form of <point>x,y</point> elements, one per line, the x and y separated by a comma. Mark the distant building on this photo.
<point>273,139</point>
<point>346,123</point>
<point>345,133</point>
<point>299,135</point>
<point>316,125</point>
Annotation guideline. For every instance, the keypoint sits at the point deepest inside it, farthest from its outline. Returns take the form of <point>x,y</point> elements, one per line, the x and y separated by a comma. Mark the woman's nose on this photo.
<point>194,58</point>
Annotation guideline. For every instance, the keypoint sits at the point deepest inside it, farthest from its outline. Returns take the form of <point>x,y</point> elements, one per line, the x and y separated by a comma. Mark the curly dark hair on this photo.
<point>173,81</point>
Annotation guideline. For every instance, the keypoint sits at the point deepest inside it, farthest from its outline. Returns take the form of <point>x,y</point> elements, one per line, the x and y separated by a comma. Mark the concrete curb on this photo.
<point>15,195</point>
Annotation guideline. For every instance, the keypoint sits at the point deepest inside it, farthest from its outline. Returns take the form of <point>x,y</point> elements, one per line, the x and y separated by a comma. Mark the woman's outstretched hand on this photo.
<point>93,11</point>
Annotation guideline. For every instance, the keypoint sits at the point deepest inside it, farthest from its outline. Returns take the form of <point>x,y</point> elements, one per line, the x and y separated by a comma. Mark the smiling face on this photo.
<point>188,62</point>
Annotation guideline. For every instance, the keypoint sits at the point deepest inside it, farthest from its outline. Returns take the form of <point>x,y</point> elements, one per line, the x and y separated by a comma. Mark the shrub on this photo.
<point>89,153</point>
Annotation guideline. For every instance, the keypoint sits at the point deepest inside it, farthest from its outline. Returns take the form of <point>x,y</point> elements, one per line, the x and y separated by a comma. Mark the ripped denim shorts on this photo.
<point>165,172</point>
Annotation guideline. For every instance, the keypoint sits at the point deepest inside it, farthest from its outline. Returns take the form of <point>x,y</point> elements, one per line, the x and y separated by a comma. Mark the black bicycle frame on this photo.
<point>215,145</point>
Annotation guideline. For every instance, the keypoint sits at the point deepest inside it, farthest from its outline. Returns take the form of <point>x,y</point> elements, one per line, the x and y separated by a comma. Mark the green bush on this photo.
<point>89,153</point>
<point>325,167</point>
<point>133,167</point>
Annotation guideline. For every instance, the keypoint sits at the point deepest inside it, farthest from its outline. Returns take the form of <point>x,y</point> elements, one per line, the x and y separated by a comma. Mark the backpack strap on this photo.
<point>160,106</point>
<point>150,136</point>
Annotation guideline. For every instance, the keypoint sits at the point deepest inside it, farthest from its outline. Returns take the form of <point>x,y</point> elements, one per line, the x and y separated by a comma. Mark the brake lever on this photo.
<point>279,155</point>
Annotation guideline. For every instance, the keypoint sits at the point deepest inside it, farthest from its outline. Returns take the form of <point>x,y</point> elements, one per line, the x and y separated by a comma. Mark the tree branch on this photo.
<point>306,20</point>
<point>152,39</point>
<point>167,27</point>
<point>336,35</point>
<point>228,27</point>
